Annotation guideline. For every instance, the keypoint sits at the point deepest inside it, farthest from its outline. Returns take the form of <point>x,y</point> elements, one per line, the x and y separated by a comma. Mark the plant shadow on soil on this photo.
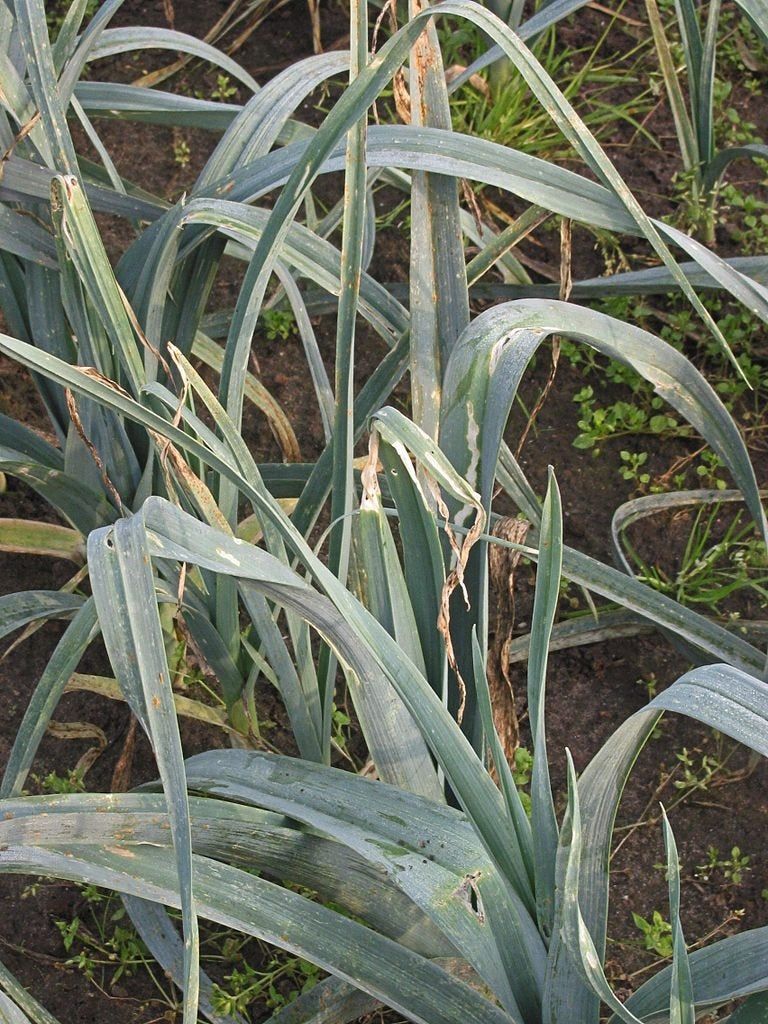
<point>591,690</point>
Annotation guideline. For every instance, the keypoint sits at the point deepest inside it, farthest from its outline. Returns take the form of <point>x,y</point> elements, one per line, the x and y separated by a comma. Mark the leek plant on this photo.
<point>695,123</point>
<point>456,904</point>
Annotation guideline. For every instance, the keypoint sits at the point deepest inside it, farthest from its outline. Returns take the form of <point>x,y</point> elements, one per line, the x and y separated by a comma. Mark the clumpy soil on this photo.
<point>591,689</point>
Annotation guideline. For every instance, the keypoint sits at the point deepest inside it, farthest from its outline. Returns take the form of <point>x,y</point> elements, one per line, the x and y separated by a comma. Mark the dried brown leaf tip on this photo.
<point>371,496</point>
<point>476,81</point>
<point>91,448</point>
<point>502,566</point>
<point>402,97</point>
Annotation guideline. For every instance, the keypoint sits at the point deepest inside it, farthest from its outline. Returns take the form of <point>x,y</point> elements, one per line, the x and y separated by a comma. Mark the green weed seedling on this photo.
<point>181,152</point>
<point>53,782</point>
<point>709,471</point>
<point>280,983</point>
<point>341,733</point>
<point>522,768</point>
<point>225,89</point>
<point>632,468</point>
<point>697,773</point>
<point>102,942</point>
<point>656,932</point>
<point>600,423</point>
<point>650,684</point>
<point>279,324</point>
<point>730,869</point>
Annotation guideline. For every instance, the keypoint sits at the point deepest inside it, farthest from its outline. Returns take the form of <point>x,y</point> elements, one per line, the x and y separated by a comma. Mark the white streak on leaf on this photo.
<point>227,556</point>
<point>473,449</point>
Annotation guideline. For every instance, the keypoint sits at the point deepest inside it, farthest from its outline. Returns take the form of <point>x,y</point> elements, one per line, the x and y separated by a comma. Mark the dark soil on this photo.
<point>591,689</point>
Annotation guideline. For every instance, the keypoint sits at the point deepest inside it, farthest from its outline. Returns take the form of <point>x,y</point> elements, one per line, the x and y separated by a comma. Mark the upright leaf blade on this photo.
<point>119,556</point>
<point>544,829</point>
<point>439,301</point>
<point>681,1006</point>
